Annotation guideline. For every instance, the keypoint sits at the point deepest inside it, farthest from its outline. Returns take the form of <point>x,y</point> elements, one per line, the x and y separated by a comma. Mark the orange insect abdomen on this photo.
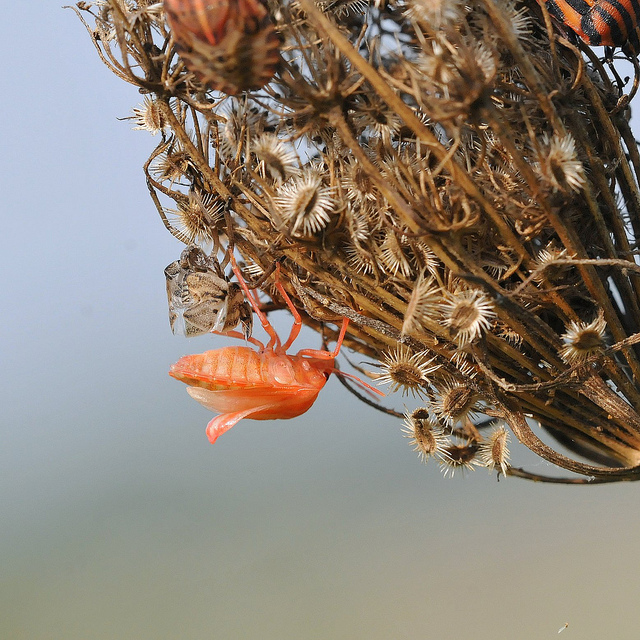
<point>240,368</point>
<point>235,379</point>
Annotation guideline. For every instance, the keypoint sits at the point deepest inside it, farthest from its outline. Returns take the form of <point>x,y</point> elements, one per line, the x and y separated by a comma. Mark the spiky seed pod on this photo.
<point>410,372</point>
<point>423,304</point>
<point>458,456</point>
<point>240,122</point>
<point>435,14</point>
<point>393,257</point>
<point>468,314</point>
<point>456,402</point>
<point>304,204</point>
<point>278,160</point>
<point>493,453</point>
<point>149,117</point>
<point>583,339</point>
<point>230,45</point>
<point>197,216</point>
<point>547,269</point>
<point>425,434</point>
<point>558,164</point>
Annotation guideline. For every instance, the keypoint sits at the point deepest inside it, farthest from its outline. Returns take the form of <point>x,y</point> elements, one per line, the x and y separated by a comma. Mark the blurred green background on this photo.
<point>120,521</point>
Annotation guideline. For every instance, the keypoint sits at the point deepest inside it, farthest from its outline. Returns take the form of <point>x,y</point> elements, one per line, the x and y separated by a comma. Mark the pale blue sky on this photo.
<point>120,521</point>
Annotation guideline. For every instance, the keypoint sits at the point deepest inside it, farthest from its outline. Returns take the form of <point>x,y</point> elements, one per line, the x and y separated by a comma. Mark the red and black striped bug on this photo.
<point>230,45</point>
<point>611,23</point>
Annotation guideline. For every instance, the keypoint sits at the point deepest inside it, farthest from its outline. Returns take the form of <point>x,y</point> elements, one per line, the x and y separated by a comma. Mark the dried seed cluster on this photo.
<point>459,184</point>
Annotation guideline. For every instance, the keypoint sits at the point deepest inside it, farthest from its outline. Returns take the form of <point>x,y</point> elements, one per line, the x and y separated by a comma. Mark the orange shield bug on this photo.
<point>268,384</point>
<point>230,45</point>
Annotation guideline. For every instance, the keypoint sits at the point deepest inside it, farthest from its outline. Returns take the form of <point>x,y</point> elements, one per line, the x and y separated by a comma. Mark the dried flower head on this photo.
<point>436,63</point>
<point>435,14</point>
<point>393,256</point>
<point>410,372</point>
<point>480,62</point>
<point>197,216</point>
<point>493,452</point>
<point>279,160</point>
<point>358,183</point>
<point>149,117</point>
<point>546,269</point>
<point>241,122</point>
<point>304,204</point>
<point>424,304</point>
<point>362,257</point>
<point>456,402</point>
<point>344,8</point>
<point>468,313</point>
<point>583,340</point>
<point>425,434</point>
<point>374,113</point>
<point>519,19</point>
<point>458,456</point>
<point>172,164</point>
<point>558,164</point>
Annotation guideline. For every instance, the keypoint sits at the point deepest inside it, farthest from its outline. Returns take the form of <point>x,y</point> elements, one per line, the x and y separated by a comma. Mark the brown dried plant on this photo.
<point>457,179</point>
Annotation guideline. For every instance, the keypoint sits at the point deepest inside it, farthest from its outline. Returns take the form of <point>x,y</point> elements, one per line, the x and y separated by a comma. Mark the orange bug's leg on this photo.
<point>330,355</point>
<point>241,336</point>
<point>274,341</point>
<point>327,355</point>
<point>221,424</point>
<point>297,320</point>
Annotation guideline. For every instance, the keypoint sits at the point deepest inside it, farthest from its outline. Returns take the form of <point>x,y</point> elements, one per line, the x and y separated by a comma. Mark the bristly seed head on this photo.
<point>583,340</point>
<point>550,272</point>
<point>305,204</point>
<point>435,14</point>
<point>197,216</point>
<point>407,371</point>
<point>425,434</point>
<point>493,453</point>
<point>149,117</point>
<point>558,163</point>
<point>468,314</point>
<point>424,304</point>
<point>458,456</point>
<point>279,160</point>
<point>518,18</point>
<point>358,184</point>
<point>393,257</point>
<point>241,123</point>
<point>457,402</point>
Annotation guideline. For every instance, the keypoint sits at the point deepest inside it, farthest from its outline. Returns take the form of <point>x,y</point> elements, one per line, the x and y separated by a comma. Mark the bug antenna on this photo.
<point>366,400</point>
<point>366,387</point>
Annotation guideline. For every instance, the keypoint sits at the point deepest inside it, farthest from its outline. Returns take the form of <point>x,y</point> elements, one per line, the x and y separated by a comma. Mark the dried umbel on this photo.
<point>457,179</point>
